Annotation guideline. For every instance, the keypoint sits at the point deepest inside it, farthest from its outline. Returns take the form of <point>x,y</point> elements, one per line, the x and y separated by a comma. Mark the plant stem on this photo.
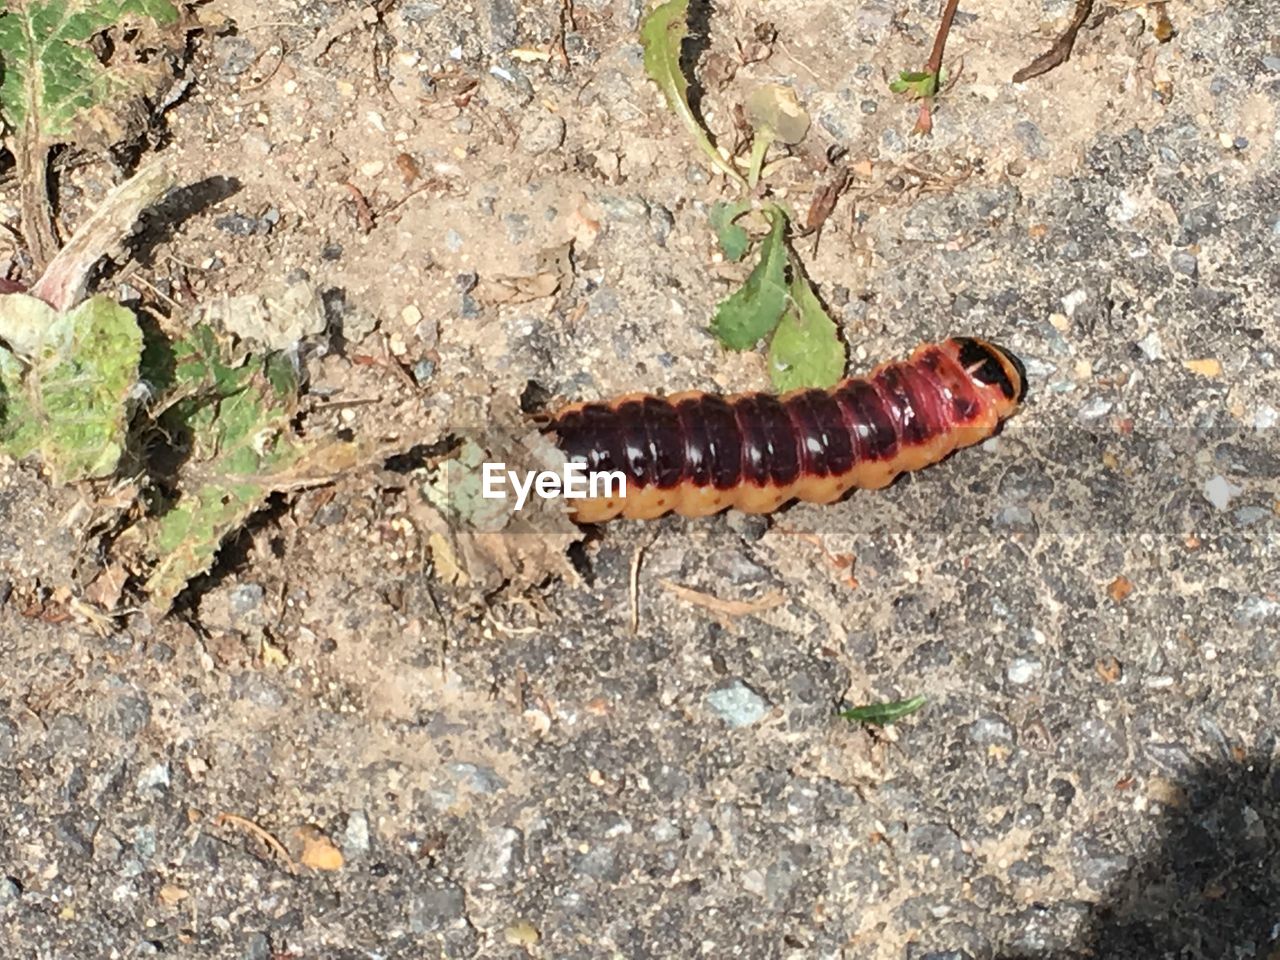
<point>32,164</point>
<point>924,123</point>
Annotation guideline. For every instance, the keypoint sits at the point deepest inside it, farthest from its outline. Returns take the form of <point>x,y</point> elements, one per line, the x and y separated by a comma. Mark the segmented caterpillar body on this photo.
<point>697,453</point>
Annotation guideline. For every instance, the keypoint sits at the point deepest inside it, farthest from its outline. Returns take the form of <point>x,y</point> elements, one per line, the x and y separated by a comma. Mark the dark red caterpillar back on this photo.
<point>698,453</point>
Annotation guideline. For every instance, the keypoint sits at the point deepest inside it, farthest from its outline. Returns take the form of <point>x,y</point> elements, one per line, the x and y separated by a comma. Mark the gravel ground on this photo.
<point>1089,602</point>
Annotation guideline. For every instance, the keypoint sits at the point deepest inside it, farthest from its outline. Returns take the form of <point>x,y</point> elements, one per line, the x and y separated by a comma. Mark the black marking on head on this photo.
<point>1018,367</point>
<point>981,360</point>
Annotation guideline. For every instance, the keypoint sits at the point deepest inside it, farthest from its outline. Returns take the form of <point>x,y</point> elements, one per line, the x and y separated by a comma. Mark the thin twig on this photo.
<point>272,844</point>
<point>364,213</point>
<point>1060,52</point>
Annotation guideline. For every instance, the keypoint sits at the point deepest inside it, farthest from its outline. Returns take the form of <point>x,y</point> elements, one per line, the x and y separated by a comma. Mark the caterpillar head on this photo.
<point>994,369</point>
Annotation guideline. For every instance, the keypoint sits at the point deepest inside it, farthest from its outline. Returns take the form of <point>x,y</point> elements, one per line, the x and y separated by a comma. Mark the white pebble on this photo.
<point>1220,491</point>
<point>1152,346</point>
<point>1024,670</point>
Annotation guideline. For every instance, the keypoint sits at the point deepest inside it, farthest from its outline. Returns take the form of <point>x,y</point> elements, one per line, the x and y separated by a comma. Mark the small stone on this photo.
<point>237,224</point>
<point>436,907</point>
<point>355,839</point>
<point>423,371</point>
<point>67,734</point>
<point>1152,346</point>
<point>737,704</point>
<point>372,168</point>
<point>330,514</point>
<point>1265,417</point>
<point>453,240</point>
<point>872,20</point>
<point>1220,491</point>
<point>1095,408</point>
<point>257,947</point>
<point>1185,263</point>
<point>476,778</point>
<point>987,731</point>
<point>541,133</point>
<point>8,738</point>
<point>235,55</point>
<point>868,106</point>
<point>244,605</point>
<point>10,892</point>
<point>154,777</point>
<point>129,715</point>
<point>420,11</point>
<point>1023,670</point>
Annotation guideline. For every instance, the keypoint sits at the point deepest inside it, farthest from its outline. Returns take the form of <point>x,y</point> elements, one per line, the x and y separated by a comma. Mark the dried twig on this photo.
<point>726,608</point>
<point>271,843</point>
<point>364,213</point>
<point>1060,52</point>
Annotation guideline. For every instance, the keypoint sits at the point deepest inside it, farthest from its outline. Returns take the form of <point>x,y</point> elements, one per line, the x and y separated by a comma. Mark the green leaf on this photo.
<point>806,350</point>
<point>236,411</point>
<point>54,88</point>
<point>66,378</point>
<point>774,108</point>
<point>733,239</point>
<point>753,310</point>
<point>884,713</point>
<point>918,84</point>
<point>661,34</point>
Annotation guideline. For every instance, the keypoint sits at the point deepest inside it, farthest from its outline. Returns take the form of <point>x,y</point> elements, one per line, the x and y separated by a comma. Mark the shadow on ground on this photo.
<point>1211,886</point>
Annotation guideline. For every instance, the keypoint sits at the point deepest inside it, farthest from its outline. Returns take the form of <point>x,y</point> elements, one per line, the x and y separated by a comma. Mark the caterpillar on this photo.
<point>697,453</point>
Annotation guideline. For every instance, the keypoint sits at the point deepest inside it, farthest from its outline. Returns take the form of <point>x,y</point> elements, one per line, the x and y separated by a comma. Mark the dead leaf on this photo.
<point>318,851</point>
<point>107,586</point>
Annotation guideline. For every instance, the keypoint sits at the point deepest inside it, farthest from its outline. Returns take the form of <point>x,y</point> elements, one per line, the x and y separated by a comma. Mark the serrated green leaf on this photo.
<point>236,411</point>
<point>733,239</point>
<point>66,382</point>
<point>661,35</point>
<point>884,713</point>
<point>806,350</point>
<point>53,83</point>
<point>753,310</point>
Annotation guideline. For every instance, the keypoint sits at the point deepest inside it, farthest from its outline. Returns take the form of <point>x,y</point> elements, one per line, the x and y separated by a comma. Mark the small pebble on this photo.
<point>423,371</point>
<point>541,133</point>
<point>738,704</point>
<point>355,839</point>
<point>1024,670</point>
<point>1220,491</point>
<point>1185,263</point>
<point>1095,408</point>
<point>1152,346</point>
